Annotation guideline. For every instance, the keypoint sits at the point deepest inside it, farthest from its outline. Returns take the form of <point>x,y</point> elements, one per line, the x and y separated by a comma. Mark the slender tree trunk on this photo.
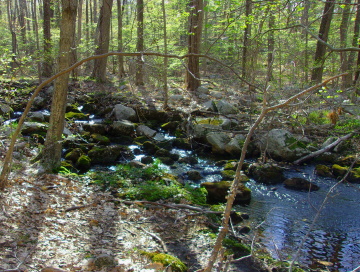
<point>139,77</point>
<point>103,39</point>
<point>13,35</point>
<point>346,80</point>
<point>36,30</point>
<point>317,72</point>
<point>246,41</point>
<point>48,62</point>
<point>165,81</point>
<point>305,21</point>
<point>51,155</point>
<point>271,42</point>
<point>355,43</point>
<point>120,10</point>
<point>196,9</point>
<point>22,9</point>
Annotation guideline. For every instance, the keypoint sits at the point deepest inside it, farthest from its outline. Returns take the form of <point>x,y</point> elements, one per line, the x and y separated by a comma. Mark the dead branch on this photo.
<point>325,149</point>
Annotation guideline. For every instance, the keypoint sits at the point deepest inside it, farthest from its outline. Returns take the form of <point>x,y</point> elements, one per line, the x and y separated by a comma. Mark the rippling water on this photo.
<point>288,214</point>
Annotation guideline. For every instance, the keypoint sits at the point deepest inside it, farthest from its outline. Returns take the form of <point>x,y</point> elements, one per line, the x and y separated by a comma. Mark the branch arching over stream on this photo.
<point>232,194</point>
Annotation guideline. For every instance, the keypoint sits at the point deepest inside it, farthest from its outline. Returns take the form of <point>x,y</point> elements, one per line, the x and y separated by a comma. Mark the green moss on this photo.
<point>101,139</point>
<point>231,165</point>
<point>76,115</point>
<point>210,121</point>
<point>228,174</point>
<point>166,260</point>
<point>323,170</point>
<point>83,163</point>
<point>236,247</point>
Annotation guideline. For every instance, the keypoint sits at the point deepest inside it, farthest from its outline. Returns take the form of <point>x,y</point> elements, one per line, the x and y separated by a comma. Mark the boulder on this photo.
<point>217,140</point>
<point>121,128</point>
<point>340,171</point>
<point>234,146</point>
<point>29,128</point>
<point>300,184</point>
<point>218,191</point>
<point>225,107</point>
<point>83,163</point>
<point>266,173</point>
<point>202,90</point>
<point>122,112</point>
<point>194,175</point>
<point>105,154</point>
<point>323,171</point>
<point>36,116</point>
<point>5,109</point>
<point>280,144</point>
<point>143,130</point>
<point>189,160</point>
<point>209,106</point>
<point>99,139</point>
<point>95,128</point>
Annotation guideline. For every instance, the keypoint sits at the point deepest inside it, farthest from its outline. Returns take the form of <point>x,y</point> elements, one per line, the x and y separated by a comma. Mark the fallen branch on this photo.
<point>325,149</point>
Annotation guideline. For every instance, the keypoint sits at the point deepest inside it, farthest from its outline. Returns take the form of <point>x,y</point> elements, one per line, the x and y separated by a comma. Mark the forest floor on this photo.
<point>59,222</point>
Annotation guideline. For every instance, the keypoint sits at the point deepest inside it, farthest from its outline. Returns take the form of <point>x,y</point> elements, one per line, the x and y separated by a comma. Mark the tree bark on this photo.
<point>120,11</point>
<point>48,63</point>
<point>194,43</point>
<point>271,42</point>
<point>22,9</point>
<point>165,81</point>
<point>139,77</point>
<point>317,72</point>
<point>103,39</point>
<point>13,35</point>
<point>355,43</point>
<point>51,155</point>
<point>346,80</point>
<point>246,41</point>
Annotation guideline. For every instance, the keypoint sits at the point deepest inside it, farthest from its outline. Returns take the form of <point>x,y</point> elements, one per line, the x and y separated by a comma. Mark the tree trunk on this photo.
<point>165,81</point>
<point>271,42</point>
<point>51,155</point>
<point>194,43</point>
<point>317,72</point>
<point>48,63</point>
<point>120,10</point>
<point>346,80</point>
<point>355,43</point>
<point>139,77</point>
<point>305,22</point>
<point>36,30</point>
<point>246,41</point>
<point>22,9</point>
<point>13,35</point>
<point>103,38</point>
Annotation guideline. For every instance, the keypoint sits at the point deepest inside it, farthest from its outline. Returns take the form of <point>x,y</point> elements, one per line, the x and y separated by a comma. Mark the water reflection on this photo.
<point>288,214</point>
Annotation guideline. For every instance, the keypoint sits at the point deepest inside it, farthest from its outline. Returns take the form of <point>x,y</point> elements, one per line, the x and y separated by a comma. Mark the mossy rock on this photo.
<point>105,154</point>
<point>182,143</point>
<point>231,165</point>
<point>166,160</point>
<point>149,147</point>
<point>348,160</point>
<point>189,160</point>
<point>170,126</point>
<point>72,108</point>
<point>235,247</point>
<point>218,191</point>
<point>76,115</point>
<point>228,174</point>
<point>83,163</point>
<point>323,171</point>
<point>162,153</point>
<point>74,155</point>
<point>141,139</point>
<point>100,139</point>
<point>340,171</point>
<point>266,173</point>
<point>166,260</point>
<point>300,184</point>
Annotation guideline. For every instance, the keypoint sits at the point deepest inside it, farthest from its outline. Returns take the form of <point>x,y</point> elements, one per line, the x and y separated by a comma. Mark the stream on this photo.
<point>287,216</point>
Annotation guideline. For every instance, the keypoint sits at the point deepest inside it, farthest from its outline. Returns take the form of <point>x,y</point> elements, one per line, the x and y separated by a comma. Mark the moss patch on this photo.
<point>166,260</point>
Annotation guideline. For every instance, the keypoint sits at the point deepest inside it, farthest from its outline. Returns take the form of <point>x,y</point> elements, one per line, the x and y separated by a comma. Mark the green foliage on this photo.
<point>315,117</point>
<point>348,125</point>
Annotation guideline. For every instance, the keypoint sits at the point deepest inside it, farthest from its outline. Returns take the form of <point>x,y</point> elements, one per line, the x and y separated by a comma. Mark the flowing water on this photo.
<point>287,216</point>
